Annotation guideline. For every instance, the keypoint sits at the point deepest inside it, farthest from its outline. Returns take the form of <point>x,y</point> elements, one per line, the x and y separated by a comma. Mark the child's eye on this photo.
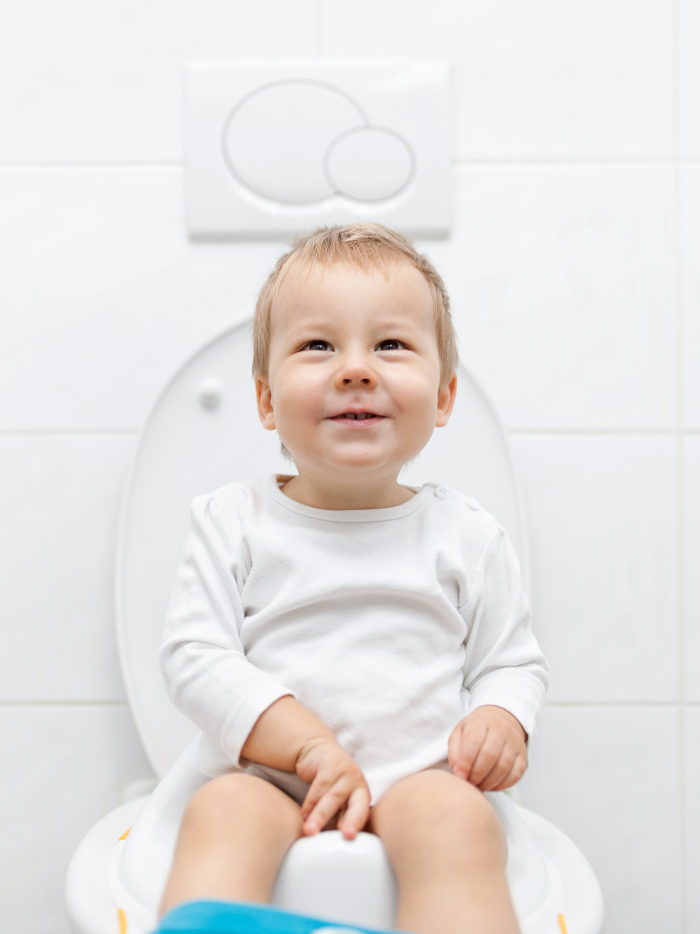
<point>317,345</point>
<point>390,344</point>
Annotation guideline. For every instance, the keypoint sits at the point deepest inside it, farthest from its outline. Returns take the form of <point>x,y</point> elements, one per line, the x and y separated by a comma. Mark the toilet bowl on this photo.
<point>202,433</point>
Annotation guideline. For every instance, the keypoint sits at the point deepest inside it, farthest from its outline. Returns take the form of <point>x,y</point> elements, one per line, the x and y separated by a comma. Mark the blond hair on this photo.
<point>368,246</point>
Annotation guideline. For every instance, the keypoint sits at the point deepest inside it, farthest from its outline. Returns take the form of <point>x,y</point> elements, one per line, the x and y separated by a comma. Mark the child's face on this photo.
<point>353,385</point>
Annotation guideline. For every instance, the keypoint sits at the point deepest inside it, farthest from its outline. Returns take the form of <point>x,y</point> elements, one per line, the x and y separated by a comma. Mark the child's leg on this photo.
<point>233,837</point>
<point>447,848</point>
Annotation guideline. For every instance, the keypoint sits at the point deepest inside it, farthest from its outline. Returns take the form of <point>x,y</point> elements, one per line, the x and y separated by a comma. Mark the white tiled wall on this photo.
<point>574,271</point>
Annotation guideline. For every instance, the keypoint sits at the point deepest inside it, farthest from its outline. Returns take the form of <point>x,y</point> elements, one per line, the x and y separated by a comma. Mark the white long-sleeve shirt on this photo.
<point>389,624</point>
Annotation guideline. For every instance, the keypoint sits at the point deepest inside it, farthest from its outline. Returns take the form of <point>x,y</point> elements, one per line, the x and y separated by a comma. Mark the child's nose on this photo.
<point>355,370</point>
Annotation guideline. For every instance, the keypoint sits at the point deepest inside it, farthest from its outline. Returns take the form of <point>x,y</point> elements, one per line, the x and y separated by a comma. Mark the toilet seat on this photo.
<point>204,432</point>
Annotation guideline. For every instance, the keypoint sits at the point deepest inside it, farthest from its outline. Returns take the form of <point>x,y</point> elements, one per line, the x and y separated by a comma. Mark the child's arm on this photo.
<point>243,710</point>
<point>504,665</point>
<point>287,736</point>
<point>246,712</point>
<point>489,749</point>
<point>505,674</point>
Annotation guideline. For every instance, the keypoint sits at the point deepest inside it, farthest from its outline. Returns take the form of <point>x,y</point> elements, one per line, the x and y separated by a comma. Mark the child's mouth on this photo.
<point>356,416</point>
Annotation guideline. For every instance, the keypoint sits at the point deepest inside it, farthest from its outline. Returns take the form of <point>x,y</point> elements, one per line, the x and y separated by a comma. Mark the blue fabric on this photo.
<point>213,917</point>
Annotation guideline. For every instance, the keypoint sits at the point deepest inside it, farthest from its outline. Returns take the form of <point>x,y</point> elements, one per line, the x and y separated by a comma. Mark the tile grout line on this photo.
<point>623,705</point>
<point>669,162</point>
<point>597,433</point>
<point>78,165</point>
<point>514,433</point>
<point>319,30</point>
<point>680,468</point>
<point>68,433</point>
<point>65,704</point>
<point>551,705</point>
<point>457,162</point>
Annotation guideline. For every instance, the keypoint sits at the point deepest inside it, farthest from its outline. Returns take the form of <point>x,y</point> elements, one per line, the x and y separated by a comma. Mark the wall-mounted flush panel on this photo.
<point>283,148</point>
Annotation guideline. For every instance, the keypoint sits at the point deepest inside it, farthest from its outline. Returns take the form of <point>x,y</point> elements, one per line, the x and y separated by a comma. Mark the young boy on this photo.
<point>357,653</point>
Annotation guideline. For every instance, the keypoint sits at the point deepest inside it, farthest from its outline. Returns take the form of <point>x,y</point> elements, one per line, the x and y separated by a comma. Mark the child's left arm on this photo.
<point>505,674</point>
<point>488,748</point>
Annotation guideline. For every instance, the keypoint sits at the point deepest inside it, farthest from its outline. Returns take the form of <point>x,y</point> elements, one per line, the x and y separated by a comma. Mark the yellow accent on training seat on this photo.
<point>122,919</point>
<point>125,834</point>
<point>562,924</point>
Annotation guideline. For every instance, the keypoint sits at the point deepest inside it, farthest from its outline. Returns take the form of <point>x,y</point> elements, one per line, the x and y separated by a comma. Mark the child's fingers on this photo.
<point>322,804</point>
<point>501,763</point>
<point>356,814</point>
<point>464,747</point>
<point>313,796</point>
<point>506,773</point>
<point>453,746</point>
<point>488,748</point>
<point>319,783</point>
<point>334,776</point>
<point>320,814</point>
<point>500,770</point>
<point>489,755</point>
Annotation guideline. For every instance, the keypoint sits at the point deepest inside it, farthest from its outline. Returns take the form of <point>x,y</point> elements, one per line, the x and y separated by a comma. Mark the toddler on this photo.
<point>356,653</point>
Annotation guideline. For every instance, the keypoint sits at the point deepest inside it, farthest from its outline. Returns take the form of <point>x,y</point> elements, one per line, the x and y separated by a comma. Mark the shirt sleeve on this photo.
<point>504,665</point>
<point>202,656</point>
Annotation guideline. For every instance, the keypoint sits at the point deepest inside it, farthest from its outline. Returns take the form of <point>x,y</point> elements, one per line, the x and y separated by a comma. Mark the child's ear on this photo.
<point>266,412</point>
<point>446,400</point>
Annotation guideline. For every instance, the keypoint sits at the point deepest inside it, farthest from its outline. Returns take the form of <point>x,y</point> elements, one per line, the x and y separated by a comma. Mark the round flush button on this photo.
<point>275,139</point>
<point>369,164</point>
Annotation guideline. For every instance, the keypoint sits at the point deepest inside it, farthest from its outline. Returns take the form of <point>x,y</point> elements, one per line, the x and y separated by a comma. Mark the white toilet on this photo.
<point>202,433</point>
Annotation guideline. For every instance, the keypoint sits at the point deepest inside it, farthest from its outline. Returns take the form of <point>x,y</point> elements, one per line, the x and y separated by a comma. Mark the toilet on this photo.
<point>202,433</point>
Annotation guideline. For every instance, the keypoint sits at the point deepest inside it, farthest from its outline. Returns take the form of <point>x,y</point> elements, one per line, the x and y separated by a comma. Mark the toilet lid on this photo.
<point>204,432</point>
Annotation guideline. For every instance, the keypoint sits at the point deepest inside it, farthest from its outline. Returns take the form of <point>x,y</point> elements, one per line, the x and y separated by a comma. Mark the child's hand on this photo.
<point>489,749</point>
<point>338,787</point>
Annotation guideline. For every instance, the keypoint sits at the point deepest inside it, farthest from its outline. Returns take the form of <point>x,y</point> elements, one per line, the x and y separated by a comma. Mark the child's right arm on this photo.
<point>246,712</point>
<point>287,736</point>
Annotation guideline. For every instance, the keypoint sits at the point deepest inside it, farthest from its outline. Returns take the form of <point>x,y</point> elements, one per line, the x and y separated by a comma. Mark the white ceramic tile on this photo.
<point>690,294</point>
<point>62,769</point>
<point>532,80</point>
<point>562,282</point>
<point>609,778</point>
<point>602,519</point>
<point>691,530</point>
<point>59,501</point>
<point>689,37</point>
<point>692,817</point>
<point>104,296</point>
<point>103,81</point>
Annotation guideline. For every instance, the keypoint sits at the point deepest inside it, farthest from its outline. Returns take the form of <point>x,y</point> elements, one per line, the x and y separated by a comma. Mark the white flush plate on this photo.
<point>276,148</point>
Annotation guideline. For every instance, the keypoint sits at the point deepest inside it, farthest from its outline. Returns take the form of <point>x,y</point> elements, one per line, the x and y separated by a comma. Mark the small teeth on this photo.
<point>358,415</point>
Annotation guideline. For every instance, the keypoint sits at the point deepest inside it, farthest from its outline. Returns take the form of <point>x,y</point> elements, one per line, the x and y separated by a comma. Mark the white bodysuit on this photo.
<point>389,624</point>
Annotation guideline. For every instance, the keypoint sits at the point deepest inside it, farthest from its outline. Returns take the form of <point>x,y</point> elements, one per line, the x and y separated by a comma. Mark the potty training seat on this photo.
<point>204,432</point>
<point>213,917</point>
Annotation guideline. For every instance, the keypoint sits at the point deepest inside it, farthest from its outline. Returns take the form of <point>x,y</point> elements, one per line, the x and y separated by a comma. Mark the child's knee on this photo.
<point>438,810</point>
<point>464,810</point>
<point>238,800</point>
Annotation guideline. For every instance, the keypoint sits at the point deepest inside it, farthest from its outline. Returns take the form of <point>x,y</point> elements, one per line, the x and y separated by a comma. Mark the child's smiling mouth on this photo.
<point>356,417</point>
